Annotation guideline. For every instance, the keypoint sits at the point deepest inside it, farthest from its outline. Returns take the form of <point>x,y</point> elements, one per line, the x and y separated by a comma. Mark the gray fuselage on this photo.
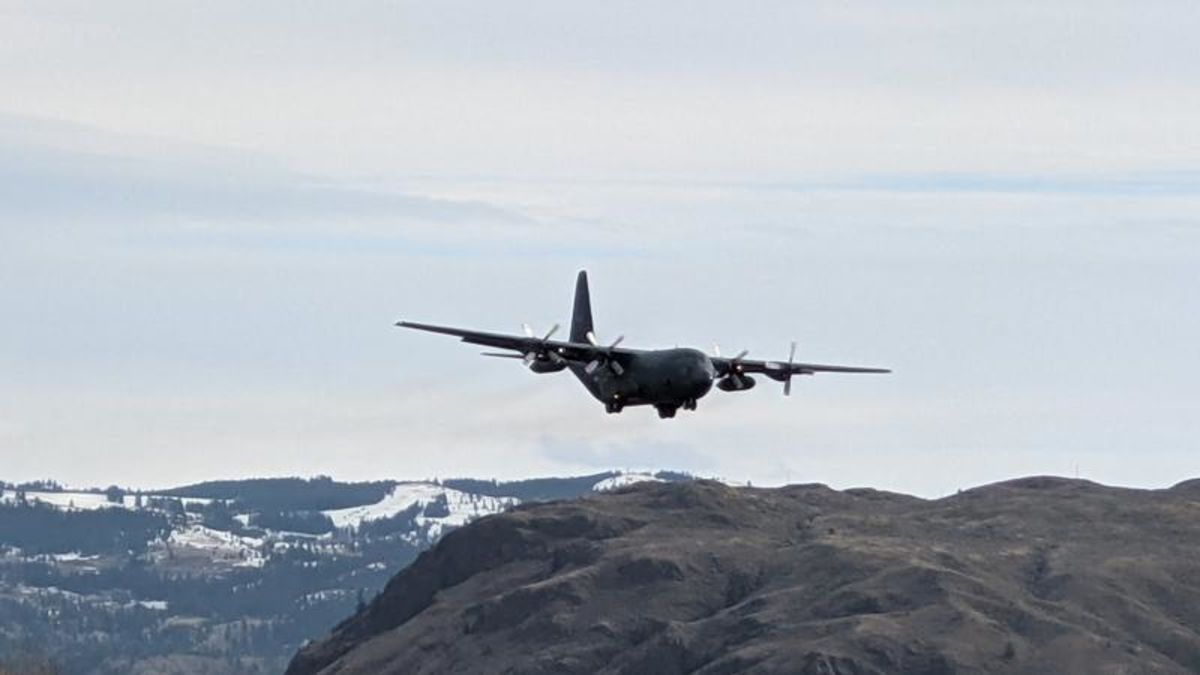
<point>662,378</point>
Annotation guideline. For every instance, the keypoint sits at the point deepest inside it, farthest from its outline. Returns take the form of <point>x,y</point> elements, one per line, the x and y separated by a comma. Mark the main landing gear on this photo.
<point>666,411</point>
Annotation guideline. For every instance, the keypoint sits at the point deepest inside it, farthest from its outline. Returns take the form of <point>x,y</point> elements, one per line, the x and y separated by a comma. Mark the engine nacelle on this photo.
<point>547,366</point>
<point>741,383</point>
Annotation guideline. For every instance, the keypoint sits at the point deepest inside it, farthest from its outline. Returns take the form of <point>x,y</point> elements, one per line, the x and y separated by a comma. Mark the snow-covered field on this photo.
<point>78,500</point>
<point>81,501</point>
<point>72,557</point>
<point>462,506</point>
<point>621,480</point>
<point>219,546</point>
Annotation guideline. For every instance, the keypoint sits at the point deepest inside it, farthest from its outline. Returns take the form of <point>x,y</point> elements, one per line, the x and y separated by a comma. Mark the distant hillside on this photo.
<point>1040,575</point>
<point>287,494</point>
<point>548,489</point>
<point>323,493</point>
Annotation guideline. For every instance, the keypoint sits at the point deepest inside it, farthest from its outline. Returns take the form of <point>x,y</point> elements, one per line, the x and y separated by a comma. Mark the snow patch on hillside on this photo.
<point>461,507</point>
<point>72,557</point>
<point>220,546</point>
<point>78,501</point>
<point>621,480</point>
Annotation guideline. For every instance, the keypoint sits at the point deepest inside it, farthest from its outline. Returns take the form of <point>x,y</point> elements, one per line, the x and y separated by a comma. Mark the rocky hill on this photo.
<point>1039,575</point>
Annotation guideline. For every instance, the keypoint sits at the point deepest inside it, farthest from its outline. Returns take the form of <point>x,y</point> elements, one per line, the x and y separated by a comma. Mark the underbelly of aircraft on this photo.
<point>633,392</point>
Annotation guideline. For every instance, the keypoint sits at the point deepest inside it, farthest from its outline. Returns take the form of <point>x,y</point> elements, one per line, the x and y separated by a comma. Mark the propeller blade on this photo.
<point>591,337</point>
<point>530,357</point>
<point>549,333</point>
<point>787,380</point>
<point>616,342</point>
<point>528,331</point>
<point>503,355</point>
<point>591,367</point>
<point>717,350</point>
<point>741,355</point>
<point>616,368</point>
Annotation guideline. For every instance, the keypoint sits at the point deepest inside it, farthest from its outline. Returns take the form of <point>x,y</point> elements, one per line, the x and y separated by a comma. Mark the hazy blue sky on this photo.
<point>212,212</point>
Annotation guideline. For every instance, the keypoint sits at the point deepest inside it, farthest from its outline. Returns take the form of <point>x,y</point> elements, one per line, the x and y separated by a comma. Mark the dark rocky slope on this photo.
<point>1039,575</point>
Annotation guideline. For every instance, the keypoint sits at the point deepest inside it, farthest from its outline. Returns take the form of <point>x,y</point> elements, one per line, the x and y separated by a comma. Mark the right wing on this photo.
<point>777,369</point>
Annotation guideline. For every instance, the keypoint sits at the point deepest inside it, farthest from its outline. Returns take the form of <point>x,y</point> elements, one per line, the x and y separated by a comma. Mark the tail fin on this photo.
<point>581,316</point>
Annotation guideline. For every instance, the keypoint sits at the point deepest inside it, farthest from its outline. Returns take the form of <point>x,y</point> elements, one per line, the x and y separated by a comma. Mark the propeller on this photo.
<point>735,369</point>
<point>541,351</point>
<point>605,357</point>
<point>786,375</point>
<point>787,381</point>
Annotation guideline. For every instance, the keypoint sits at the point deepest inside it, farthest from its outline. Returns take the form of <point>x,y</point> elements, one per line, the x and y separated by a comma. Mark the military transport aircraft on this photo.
<point>667,379</point>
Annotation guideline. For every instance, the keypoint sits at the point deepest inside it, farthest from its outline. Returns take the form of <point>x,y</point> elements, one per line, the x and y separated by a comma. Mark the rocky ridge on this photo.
<point>1037,575</point>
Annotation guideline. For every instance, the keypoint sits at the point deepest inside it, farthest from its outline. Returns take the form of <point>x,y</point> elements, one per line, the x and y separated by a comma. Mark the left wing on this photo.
<point>523,344</point>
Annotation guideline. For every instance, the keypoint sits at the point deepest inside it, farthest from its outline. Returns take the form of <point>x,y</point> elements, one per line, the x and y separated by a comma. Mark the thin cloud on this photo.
<point>58,184</point>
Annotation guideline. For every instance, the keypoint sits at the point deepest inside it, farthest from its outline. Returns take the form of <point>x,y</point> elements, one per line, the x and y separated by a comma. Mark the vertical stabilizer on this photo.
<point>581,315</point>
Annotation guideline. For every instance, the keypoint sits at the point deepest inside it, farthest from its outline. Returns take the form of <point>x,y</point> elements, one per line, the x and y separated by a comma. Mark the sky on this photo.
<point>211,214</point>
